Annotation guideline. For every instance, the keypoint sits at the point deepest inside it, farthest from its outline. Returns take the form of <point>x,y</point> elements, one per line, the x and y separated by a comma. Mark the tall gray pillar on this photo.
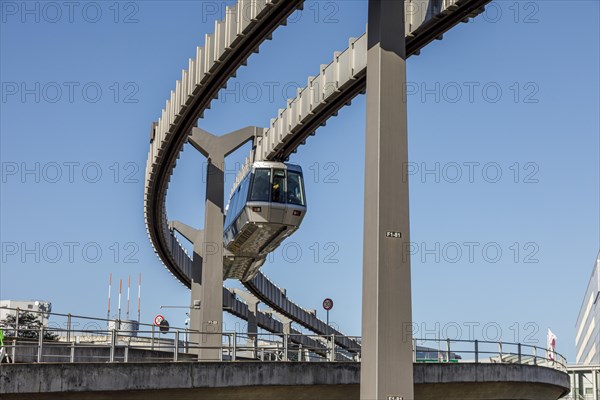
<point>253,303</point>
<point>209,318</point>
<point>387,362</point>
<point>195,236</point>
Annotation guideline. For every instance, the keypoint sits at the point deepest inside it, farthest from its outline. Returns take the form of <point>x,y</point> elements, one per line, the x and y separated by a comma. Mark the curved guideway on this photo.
<point>247,24</point>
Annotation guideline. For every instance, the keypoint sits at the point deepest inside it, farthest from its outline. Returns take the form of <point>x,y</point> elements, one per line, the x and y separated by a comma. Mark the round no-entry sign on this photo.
<point>327,304</point>
<point>158,319</point>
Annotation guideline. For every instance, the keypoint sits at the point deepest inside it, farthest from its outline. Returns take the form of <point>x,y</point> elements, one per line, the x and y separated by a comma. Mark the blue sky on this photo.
<point>515,93</point>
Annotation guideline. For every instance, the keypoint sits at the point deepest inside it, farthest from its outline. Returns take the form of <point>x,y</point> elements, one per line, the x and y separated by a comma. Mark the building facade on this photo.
<point>587,329</point>
<point>585,382</point>
<point>585,373</point>
<point>39,308</point>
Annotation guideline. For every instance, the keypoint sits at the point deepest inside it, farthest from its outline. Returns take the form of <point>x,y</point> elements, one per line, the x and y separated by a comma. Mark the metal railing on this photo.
<point>64,341</point>
<point>177,346</point>
<point>181,346</point>
<point>485,351</point>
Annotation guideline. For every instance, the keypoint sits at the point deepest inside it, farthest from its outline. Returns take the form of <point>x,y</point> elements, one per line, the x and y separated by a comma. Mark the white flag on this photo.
<point>551,345</point>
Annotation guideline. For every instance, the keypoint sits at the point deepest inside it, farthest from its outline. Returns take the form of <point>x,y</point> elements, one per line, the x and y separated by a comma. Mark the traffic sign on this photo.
<point>164,326</point>
<point>158,319</point>
<point>327,304</point>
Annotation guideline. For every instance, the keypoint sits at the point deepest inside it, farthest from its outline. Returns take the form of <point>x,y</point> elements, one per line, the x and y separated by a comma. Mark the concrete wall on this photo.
<point>252,380</point>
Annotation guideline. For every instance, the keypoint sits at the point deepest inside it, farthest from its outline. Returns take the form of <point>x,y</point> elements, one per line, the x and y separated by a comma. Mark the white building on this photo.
<point>585,382</point>
<point>587,329</point>
<point>585,373</point>
<point>39,308</point>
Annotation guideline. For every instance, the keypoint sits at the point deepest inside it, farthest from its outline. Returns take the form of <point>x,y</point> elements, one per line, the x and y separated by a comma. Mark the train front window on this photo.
<point>295,191</point>
<point>278,186</point>
<point>261,185</point>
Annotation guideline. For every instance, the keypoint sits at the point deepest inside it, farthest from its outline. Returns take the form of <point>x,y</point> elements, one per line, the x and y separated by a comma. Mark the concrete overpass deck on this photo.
<point>270,381</point>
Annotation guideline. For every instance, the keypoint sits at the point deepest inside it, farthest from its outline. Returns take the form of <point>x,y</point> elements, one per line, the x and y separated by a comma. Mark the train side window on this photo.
<point>236,205</point>
<point>278,192</point>
<point>231,209</point>
<point>295,191</point>
<point>261,185</point>
<point>245,187</point>
<point>228,214</point>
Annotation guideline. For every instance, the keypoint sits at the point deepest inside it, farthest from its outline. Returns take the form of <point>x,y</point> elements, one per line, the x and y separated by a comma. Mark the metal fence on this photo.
<point>66,342</point>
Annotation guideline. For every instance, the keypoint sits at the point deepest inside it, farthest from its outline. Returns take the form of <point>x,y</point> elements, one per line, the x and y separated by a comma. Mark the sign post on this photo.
<point>327,305</point>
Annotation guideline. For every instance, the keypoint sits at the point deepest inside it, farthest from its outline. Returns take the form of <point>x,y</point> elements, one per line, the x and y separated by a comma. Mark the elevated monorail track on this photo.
<point>245,27</point>
<point>334,94</point>
<point>206,75</point>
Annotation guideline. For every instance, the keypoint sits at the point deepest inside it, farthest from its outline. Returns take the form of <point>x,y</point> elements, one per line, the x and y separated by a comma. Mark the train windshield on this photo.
<point>261,185</point>
<point>276,186</point>
<point>278,192</point>
<point>295,191</point>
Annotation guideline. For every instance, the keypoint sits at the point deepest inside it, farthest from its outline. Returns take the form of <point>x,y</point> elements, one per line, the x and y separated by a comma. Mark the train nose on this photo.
<point>265,208</point>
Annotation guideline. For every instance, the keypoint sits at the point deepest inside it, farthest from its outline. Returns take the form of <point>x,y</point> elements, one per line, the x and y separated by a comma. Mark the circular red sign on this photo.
<point>327,304</point>
<point>158,319</point>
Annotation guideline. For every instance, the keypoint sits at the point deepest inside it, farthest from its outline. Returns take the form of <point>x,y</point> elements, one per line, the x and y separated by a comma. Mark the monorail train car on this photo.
<point>265,207</point>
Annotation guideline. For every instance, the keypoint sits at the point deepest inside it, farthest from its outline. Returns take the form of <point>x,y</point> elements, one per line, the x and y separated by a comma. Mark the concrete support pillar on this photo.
<point>196,236</point>
<point>285,321</point>
<point>386,365</point>
<point>287,331</point>
<point>253,303</point>
<point>253,328</point>
<point>209,318</point>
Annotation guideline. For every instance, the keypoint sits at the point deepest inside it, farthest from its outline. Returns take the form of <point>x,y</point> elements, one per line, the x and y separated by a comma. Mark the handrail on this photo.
<point>115,320</point>
<point>180,346</point>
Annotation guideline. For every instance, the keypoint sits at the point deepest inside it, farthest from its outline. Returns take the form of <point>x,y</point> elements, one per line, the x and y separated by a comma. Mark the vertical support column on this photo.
<point>196,290</point>
<point>253,327</point>
<point>252,302</point>
<point>197,238</point>
<point>209,318</point>
<point>386,366</point>
<point>211,304</point>
<point>332,349</point>
<point>287,331</point>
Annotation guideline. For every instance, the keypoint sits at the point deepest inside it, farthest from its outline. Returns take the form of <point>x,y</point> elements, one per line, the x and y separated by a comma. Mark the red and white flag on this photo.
<point>551,346</point>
